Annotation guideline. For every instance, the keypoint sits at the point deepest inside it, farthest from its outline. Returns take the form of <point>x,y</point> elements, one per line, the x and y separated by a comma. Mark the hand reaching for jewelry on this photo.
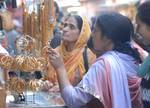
<point>57,62</point>
<point>55,59</point>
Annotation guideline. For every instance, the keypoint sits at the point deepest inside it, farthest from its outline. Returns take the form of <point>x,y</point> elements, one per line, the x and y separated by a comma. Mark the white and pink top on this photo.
<point>112,79</point>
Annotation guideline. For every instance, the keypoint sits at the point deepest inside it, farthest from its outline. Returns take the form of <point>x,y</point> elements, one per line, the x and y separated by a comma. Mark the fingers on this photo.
<point>45,51</point>
<point>52,54</point>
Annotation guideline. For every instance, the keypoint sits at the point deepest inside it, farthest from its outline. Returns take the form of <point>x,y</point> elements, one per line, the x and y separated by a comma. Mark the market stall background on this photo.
<point>38,25</point>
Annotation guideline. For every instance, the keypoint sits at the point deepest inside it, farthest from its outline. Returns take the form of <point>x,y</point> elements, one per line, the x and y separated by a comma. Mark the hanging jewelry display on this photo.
<point>38,25</point>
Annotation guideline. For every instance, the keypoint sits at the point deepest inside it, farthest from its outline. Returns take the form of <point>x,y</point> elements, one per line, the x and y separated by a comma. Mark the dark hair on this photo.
<point>144,12</point>
<point>56,6</point>
<point>119,29</point>
<point>93,21</point>
<point>78,19</point>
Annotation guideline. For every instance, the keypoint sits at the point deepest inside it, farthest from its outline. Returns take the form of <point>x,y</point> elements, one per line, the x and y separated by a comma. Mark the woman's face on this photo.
<point>100,42</point>
<point>143,30</point>
<point>70,30</point>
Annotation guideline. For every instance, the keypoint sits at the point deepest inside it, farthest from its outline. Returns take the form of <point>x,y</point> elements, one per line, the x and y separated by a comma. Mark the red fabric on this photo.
<point>135,92</point>
<point>107,86</point>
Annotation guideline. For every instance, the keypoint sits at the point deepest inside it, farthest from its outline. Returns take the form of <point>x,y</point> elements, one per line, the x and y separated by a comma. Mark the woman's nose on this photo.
<point>66,29</point>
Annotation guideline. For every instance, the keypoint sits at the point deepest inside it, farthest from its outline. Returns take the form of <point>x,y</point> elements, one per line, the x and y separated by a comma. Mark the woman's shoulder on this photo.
<point>107,56</point>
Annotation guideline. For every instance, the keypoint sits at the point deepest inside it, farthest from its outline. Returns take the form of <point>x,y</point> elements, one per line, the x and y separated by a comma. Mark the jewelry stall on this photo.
<point>25,92</point>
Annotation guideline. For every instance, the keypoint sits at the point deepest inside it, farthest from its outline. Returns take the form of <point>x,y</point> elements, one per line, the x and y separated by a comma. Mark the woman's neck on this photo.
<point>69,46</point>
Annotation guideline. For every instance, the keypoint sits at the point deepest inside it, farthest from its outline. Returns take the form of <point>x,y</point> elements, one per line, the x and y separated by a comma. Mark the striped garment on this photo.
<point>145,86</point>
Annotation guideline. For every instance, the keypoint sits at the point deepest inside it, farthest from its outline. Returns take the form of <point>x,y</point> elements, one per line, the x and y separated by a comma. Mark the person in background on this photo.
<point>93,20</point>
<point>3,72</point>
<point>17,19</point>
<point>143,39</point>
<point>57,32</point>
<point>114,71</point>
<point>3,44</point>
<point>10,26</point>
<point>76,32</point>
<point>58,15</point>
<point>3,78</point>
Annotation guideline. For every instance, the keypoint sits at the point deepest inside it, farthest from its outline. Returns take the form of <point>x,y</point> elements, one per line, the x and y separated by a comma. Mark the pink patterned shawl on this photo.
<point>113,80</point>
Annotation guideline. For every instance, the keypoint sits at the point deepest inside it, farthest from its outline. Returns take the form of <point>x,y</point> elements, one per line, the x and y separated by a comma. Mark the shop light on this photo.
<point>65,3</point>
<point>118,2</point>
<point>72,9</point>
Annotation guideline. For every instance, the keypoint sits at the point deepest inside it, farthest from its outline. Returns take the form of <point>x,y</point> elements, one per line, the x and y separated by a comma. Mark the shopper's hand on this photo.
<point>55,89</point>
<point>45,85</point>
<point>55,59</point>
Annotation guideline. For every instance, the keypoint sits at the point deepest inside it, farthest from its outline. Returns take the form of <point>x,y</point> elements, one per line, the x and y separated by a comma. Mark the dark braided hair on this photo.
<point>119,29</point>
<point>144,12</point>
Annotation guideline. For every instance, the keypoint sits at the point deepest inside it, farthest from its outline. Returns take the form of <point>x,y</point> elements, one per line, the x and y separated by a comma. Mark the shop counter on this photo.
<point>38,100</point>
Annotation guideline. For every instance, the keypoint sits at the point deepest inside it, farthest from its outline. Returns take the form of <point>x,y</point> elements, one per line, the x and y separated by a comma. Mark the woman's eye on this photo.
<point>62,24</point>
<point>72,27</point>
<point>65,25</point>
